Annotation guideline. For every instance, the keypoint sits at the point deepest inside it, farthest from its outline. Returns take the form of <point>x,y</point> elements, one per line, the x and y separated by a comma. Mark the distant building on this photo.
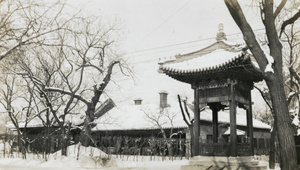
<point>131,123</point>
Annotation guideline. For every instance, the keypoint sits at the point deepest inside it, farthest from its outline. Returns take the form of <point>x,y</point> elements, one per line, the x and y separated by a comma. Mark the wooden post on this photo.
<point>189,147</point>
<point>250,125</point>
<point>215,124</point>
<point>196,123</point>
<point>233,135</point>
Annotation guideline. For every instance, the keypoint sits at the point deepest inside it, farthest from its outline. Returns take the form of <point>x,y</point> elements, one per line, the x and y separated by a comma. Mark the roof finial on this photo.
<point>221,35</point>
<point>221,27</point>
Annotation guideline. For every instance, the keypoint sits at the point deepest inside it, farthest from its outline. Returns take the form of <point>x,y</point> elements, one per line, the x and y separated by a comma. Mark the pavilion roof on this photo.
<point>221,59</point>
<point>212,61</point>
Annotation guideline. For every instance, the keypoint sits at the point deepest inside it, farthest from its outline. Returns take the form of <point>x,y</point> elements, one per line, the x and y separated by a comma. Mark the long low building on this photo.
<point>149,121</point>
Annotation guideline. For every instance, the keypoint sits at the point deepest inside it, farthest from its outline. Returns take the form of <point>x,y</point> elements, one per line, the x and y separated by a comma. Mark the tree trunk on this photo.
<point>87,127</point>
<point>191,140</point>
<point>85,140</point>
<point>273,79</point>
<point>22,146</point>
<point>63,143</point>
<point>170,148</point>
<point>272,157</point>
<point>284,131</point>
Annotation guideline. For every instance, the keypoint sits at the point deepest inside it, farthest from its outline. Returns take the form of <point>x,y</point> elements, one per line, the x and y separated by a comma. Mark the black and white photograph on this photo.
<point>149,84</point>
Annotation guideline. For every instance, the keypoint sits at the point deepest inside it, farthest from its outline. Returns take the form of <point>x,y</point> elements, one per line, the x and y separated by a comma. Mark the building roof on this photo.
<point>32,124</point>
<point>238,132</point>
<point>216,60</point>
<point>133,117</point>
<point>37,122</point>
<point>220,59</point>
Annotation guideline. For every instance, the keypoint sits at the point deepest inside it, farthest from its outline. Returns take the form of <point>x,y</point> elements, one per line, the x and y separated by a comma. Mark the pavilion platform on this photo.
<point>222,162</point>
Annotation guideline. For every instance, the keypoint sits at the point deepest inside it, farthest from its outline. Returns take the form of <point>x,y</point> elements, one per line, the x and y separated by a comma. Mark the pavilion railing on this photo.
<point>222,149</point>
<point>243,149</point>
<point>214,149</point>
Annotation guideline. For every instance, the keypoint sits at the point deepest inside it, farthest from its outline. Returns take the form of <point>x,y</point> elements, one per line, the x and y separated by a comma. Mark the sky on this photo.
<point>148,24</point>
<point>154,29</point>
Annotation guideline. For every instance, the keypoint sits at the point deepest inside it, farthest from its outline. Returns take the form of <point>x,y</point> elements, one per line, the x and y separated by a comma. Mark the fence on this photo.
<point>126,145</point>
<point>179,147</point>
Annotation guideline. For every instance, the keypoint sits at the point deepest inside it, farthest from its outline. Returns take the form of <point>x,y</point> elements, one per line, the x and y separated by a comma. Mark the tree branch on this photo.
<point>288,22</point>
<point>61,91</point>
<point>279,8</point>
<point>182,112</point>
<point>294,74</point>
<point>249,36</point>
<point>108,75</point>
<point>186,109</point>
<point>290,97</point>
<point>264,97</point>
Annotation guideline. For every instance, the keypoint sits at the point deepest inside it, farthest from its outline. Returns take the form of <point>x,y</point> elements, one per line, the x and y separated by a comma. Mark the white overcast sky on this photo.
<point>148,24</point>
<point>158,25</point>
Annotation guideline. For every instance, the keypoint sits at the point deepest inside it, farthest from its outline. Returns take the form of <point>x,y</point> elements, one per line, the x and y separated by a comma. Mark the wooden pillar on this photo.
<point>233,135</point>
<point>250,125</point>
<point>196,127</point>
<point>189,149</point>
<point>215,125</point>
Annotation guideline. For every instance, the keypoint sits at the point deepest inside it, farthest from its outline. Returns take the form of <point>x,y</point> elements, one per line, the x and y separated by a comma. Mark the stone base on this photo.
<point>217,163</point>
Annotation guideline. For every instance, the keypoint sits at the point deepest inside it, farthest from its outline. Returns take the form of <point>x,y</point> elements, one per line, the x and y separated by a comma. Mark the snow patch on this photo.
<point>77,157</point>
<point>291,94</point>
<point>167,59</point>
<point>88,158</point>
<point>270,63</point>
<point>296,120</point>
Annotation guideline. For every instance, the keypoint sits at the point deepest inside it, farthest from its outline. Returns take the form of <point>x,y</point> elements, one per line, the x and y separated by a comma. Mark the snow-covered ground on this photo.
<point>80,157</point>
<point>67,163</point>
<point>89,158</point>
<point>72,164</point>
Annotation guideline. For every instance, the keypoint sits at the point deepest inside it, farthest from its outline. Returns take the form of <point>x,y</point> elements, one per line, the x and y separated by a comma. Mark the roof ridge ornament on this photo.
<point>221,35</point>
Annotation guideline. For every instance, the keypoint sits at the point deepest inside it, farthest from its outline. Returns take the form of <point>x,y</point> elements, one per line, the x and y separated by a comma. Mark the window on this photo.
<point>209,138</point>
<point>261,143</point>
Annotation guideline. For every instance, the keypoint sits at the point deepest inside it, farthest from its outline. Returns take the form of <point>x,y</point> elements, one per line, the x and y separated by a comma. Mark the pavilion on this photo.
<point>222,76</point>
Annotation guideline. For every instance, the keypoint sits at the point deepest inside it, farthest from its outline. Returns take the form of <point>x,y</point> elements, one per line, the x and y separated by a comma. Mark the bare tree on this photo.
<point>291,55</point>
<point>187,119</point>
<point>267,118</point>
<point>42,74</point>
<point>159,118</point>
<point>84,58</point>
<point>10,96</point>
<point>31,22</point>
<point>271,68</point>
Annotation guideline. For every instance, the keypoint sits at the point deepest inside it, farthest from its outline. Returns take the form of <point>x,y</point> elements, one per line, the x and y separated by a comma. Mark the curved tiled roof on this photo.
<point>217,61</point>
<point>212,61</point>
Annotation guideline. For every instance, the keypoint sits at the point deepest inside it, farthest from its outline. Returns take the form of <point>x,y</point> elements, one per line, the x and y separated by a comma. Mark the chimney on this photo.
<point>163,99</point>
<point>221,35</point>
<point>138,101</point>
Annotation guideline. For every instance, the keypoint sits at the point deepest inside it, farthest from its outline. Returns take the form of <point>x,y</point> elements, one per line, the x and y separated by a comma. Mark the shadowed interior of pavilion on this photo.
<point>222,77</point>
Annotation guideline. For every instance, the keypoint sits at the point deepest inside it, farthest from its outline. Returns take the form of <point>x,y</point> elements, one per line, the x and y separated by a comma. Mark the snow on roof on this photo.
<point>30,124</point>
<point>238,132</point>
<point>37,122</point>
<point>133,117</point>
<point>241,120</point>
<point>210,61</point>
